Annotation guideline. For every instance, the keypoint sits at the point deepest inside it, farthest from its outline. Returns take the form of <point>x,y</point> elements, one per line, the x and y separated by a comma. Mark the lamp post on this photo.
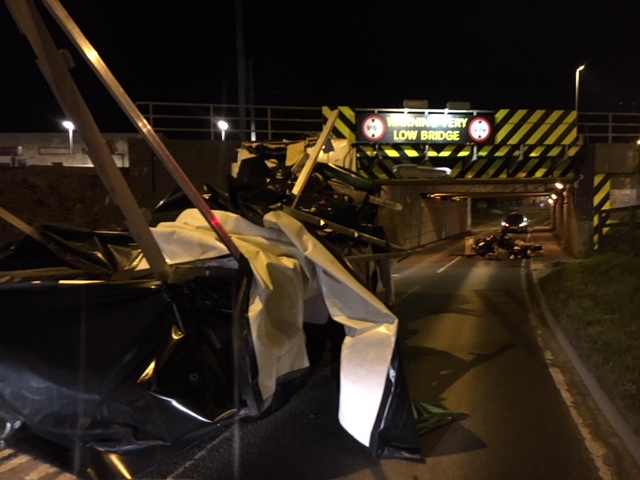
<point>580,68</point>
<point>69,126</point>
<point>222,125</point>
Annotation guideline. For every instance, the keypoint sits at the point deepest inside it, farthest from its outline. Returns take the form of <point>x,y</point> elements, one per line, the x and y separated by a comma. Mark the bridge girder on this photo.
<point>481,187</point>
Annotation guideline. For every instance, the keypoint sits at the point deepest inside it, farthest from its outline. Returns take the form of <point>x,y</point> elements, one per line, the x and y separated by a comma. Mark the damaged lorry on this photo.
<point>123,346</point>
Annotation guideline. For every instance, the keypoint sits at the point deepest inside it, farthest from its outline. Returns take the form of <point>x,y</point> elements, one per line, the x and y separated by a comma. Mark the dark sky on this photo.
<point>515,54</point>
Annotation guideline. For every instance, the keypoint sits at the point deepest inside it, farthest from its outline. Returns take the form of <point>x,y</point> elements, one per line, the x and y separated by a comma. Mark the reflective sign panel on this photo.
<point>451,128</point>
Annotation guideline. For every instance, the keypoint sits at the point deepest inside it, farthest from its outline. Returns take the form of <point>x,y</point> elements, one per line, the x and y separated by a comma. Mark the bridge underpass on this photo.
<point>439,208</point>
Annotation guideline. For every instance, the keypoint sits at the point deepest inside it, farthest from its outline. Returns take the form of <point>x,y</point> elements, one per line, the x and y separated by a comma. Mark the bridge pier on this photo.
<point>423,220</point>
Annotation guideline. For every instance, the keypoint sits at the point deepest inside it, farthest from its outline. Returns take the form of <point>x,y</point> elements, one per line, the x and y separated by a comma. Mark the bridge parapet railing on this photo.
<point>609,127</point>
<point>243,122</point>
<point>277,123</point>
<point>619,229</point>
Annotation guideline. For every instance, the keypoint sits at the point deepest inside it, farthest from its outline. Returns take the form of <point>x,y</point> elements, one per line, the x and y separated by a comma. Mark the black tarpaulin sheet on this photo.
<point>112,368</point>
<point>137,368</point>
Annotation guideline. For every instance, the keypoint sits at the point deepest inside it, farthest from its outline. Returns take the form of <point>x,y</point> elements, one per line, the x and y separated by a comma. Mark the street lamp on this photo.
<point>581,67</point>
<point>69,126</point>
<point>223,126</point>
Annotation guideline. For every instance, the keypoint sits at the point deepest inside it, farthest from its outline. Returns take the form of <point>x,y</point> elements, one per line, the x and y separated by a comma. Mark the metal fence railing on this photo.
<point>609,127</point>
<point>276,123</point>
<point>237,122</point>
<point>619,231</point>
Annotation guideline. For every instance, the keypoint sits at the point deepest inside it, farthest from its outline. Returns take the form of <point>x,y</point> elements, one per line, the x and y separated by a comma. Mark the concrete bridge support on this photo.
<point>423,220</point>
<point>608,179</point>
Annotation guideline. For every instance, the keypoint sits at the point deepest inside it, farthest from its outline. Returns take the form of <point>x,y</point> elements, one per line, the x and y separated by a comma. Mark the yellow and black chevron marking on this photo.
<point>449,151</point>
<point>481,168</point>
<point>377,161</point>
<point>527,144</point>
<point>601,201</point>
<point>536,127</point>
<point>375,164</point>
<point>532,168</point>
<point>564,167</point>
<point>513,127</point>
<point>345,126</point>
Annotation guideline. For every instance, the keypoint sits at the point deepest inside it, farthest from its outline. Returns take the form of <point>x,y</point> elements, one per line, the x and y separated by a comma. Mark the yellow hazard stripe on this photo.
<point>556,151</point>
<point>542,171</point>
<point>465,152</point>
<point>502,133</point>
<point>503,151</point>
<point>484,151</point>
<point>390,152</point>
<point>562,128</point>
<point>603,192</point>
<point>448,150</point>
<point>542,129</point>
<point>410,151</point>
<point>348,113</point>
<point>524,129</point>
<point>345,130</point>
<point>456,169</point>
<point>574,150</point>
<point>537,151</point>
<point>478,164</point>
<point>501,114</point>
<point>498,163</point>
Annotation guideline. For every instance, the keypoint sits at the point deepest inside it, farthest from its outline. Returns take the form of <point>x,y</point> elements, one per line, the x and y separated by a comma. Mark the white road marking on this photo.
<point>234,429</point>
<point>449,264</point>
<point>6,452</point>
<point>40,472</point>
<point>65,476</point>
<point>402,297</point>
<point>14,462</point>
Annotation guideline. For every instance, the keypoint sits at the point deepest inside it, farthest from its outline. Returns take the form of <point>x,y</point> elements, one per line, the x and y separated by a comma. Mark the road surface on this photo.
<point>474,342</point>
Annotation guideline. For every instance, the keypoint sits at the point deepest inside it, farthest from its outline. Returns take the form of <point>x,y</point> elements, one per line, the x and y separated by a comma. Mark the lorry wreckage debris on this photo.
<point>490,245</point>
<point>123,346</point>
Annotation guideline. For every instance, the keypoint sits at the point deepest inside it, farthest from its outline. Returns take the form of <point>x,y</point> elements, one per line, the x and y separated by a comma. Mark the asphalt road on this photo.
<point>473,341</point>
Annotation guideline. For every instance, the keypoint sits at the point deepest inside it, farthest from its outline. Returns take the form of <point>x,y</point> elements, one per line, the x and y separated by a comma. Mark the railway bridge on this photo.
<point>589,163</point>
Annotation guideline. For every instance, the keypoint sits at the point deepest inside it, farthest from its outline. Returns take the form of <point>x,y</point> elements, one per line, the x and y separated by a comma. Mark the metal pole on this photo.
<point>117,92</point>
<point>56,71</point>
<point>241,68</point>
<point>580,68</point>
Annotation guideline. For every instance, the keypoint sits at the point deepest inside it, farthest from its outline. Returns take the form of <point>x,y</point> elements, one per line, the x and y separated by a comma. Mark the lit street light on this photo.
<point>69,126</point>
<point>223,126</point>
<point>581,67</point>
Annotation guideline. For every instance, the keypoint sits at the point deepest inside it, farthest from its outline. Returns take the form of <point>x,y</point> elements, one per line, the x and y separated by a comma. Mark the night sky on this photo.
<point>361,54</point>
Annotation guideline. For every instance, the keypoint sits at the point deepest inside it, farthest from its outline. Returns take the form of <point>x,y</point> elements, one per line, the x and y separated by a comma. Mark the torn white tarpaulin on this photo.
<point>297,280</point>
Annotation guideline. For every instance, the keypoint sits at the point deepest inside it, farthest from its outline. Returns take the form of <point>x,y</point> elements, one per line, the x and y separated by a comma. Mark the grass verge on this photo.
<point>596,301</point>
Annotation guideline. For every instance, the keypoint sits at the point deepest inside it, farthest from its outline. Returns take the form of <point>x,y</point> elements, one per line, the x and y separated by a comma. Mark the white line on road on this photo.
<point>6,453</point>
<point>65,476</point>
<point>233,430</point>
<point>40,472</point>
<point>402,297</point>
<point>449,264</point>
<point>14,462</point>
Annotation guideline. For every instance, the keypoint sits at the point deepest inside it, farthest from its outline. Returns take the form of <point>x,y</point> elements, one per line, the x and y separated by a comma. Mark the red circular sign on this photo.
<point>374,128</point>
<point>480,129</point>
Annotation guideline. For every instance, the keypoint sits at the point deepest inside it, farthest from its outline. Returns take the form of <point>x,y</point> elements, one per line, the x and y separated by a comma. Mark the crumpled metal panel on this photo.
<point>126,361</point>
<point>126,372</point>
